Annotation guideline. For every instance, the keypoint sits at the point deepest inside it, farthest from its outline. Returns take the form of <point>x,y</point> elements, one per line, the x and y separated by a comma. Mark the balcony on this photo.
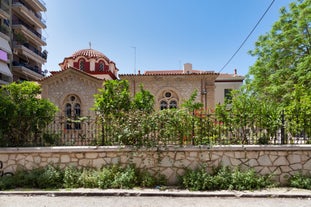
<point>29,33</point>
<point>38,5</point>
<point>4,10</point>
<point>4,32</point>
<point>25,12</point>
<point>26,70</point>
<point>31,52</point>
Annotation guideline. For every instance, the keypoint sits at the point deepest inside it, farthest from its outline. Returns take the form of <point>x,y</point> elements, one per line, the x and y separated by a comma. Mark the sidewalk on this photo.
<point>266,193</point>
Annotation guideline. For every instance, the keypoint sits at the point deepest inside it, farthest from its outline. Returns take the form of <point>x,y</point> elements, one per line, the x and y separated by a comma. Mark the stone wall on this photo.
<point>282,161</point>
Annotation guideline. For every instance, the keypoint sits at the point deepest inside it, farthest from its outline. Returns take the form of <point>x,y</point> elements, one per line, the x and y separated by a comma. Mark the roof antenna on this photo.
<point>90,44</point>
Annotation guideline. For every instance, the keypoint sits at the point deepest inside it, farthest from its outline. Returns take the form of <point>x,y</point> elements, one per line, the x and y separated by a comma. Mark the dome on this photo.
<point>89,53</point>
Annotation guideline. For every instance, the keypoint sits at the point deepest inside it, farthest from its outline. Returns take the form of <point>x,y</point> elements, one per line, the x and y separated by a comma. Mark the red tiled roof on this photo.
<point>54,73</point>
<point>89,53</point>
<point>154,72</point>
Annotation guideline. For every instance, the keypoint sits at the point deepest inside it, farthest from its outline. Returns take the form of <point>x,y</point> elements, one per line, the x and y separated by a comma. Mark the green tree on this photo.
<point>143,100</point>
<point>113,98</point>
<point>190,104</point>
<point>247,114</point>
<point>22,114</point>
<point>283,55</point>
<point>281,74</point>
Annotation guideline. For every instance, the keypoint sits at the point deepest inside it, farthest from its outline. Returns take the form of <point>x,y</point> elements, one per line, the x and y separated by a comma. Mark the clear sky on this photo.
<point>164,33</point>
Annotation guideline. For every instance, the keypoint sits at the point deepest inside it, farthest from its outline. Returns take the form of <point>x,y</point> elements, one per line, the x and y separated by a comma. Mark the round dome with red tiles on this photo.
<point>89,53</point>
<point>92,62</point>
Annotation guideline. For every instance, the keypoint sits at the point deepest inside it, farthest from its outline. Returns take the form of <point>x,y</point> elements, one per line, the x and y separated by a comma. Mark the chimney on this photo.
<point>235,72</point>
<point>187,68</point>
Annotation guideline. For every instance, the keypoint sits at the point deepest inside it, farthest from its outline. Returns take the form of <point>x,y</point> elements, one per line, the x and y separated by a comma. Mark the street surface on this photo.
<point>116,201</point>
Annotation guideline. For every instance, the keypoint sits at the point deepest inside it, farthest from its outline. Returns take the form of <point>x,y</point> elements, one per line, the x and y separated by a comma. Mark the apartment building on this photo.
<point>6,75</point>
<point>21,32</point>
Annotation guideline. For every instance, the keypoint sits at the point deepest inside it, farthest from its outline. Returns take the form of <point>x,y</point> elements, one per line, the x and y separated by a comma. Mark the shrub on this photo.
<point>300,181</point>
<point>52,177</point>
<point>224,178</point>
<point>88,178</point>
<point>71,177</point>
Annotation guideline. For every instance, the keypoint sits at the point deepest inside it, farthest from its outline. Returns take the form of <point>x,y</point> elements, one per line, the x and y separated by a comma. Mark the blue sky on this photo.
<point>165,33</point>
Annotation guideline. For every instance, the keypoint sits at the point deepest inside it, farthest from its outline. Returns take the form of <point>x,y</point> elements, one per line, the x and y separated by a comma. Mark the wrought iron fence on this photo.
<point>141,129</point>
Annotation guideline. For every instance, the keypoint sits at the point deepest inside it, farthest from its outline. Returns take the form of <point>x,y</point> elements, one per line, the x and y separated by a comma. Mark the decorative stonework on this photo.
<point>282,161</point>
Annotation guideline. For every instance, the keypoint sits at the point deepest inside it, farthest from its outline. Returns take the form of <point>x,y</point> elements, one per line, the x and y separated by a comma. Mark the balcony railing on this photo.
<point>20,22</point>
<point>35,50</point>
<point>16,2</point>
<point>32,68</point>
<point>4,29</point>
<point>4,5</point>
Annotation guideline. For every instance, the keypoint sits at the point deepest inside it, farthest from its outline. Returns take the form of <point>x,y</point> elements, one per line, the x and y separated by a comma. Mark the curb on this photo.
<point>154,194</point>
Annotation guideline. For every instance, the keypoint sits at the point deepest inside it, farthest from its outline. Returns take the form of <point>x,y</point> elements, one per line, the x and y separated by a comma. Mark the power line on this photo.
<point>258,22</point>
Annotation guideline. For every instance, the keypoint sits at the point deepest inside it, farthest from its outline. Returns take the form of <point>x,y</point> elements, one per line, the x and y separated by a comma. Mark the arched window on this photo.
<point>72,111</point>
<point>168,100</point>
<point>82,65</point>
<point>77,110</point>
<point>101,67</point>
<point>173,104</point>
<point>163,105</point>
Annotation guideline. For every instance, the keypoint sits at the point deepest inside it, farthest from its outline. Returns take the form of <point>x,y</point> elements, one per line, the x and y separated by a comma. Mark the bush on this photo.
<point>224,178</point>
<point>300,181</point>
<point>52,177</point>
<point>71,177</point>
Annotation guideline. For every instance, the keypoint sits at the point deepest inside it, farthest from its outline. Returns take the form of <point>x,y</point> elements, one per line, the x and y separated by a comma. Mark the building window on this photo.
<point>168,100</point>
<point>101,67</point>
<point>72,112</point>
<point>227,94</point>
<point>82,65</point>
<point>173,104</point>
<point>163,105</point>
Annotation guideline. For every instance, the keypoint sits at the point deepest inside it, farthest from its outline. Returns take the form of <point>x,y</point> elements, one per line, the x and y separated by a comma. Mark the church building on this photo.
<point>72,88</point>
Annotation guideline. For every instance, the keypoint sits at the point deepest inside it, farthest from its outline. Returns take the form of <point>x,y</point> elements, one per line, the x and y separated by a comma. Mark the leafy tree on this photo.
<point>113,98</point>
<point>283,55</point>
<point>122,119</point>
<point>22,114</point>
<point>190,104</point>
<point>143,100</point>
<point>247,114</point>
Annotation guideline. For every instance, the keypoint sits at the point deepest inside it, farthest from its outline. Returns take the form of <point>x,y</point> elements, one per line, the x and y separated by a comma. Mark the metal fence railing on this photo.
<point>150,130</point>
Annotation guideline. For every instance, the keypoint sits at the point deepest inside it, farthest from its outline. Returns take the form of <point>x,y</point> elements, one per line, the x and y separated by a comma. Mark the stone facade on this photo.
<point>180,85</point>
<point>282,161</point>
<point>71,82</point>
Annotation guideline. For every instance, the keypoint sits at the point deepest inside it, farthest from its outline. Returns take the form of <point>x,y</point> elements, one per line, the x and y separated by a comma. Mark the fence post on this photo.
<point>282,128</point>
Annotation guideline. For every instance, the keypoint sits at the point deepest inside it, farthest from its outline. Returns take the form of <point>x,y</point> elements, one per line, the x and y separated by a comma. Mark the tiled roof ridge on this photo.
<point>70,68</point>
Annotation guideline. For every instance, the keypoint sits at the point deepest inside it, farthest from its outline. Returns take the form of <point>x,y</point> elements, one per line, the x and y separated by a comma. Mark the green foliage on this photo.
<point>113,98</point>
<point>174,125</point>
<point>224,178</point>
<point>283,54</point>
<point>71,177</point>
<point>22,114</point>
<point>246,115</point>
<point>143,101</point>
<point>52,177</point>
<point>300,181</point>
<point>190,104</point>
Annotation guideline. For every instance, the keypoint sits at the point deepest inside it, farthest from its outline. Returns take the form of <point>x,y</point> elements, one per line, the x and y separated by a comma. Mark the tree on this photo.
<point>143,100</point>
<point>22,114</point>
<point>113,98</point>
<point>122,118</point>
<point>283,55</point>
<point>190,104</point>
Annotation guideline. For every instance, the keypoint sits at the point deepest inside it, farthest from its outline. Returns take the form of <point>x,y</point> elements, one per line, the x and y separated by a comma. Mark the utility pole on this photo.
<point>134,59</point>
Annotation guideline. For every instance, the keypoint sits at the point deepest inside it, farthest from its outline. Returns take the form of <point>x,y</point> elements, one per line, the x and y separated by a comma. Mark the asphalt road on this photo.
<point>116,201</point>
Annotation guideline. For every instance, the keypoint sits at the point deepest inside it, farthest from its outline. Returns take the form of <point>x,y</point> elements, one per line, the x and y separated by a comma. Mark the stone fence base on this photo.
<point>282,161</point>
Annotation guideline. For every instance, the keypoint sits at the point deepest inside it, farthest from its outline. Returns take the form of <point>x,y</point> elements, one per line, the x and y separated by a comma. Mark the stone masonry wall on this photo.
<point>282,161</point>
